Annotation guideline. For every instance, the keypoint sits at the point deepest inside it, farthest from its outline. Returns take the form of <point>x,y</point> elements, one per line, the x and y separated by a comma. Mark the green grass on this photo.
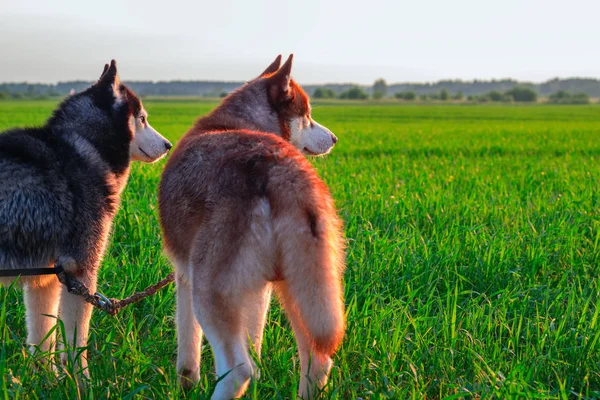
<point>473,236</point>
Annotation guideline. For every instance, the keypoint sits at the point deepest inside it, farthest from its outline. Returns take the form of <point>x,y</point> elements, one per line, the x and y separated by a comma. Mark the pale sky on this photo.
<point>333,40</point>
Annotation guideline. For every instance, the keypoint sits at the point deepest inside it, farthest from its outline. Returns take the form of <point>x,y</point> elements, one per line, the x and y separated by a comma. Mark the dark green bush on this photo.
<point>323,93</point>
<point>410,96</point>
<point>522,94</point>
<point>565,97</point>
<point>354,93</point>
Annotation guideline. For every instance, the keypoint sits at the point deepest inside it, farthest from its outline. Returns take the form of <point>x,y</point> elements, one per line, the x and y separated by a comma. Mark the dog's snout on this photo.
<point>168,146</point>
<point>334,139</point>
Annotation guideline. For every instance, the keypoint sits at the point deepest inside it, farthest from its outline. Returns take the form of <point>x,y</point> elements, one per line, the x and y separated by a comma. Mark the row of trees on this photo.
<point>477,87</point>
<point>528,95</point>
<point>380,90</point>
<point>27,95</point>
<point>565,97</point>
<point>520,94</point>
<point>30,95</point>
<point>354,93</point>
<point>516,94</point>
<point>443,95</point>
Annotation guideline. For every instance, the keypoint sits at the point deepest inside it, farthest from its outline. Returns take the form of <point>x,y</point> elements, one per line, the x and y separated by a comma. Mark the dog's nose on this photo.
<point>334,139</point>
<point>168,146</point>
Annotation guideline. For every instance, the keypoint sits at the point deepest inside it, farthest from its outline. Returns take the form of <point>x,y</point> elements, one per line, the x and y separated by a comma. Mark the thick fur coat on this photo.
<point>244,213</point>
<point>60,186</point>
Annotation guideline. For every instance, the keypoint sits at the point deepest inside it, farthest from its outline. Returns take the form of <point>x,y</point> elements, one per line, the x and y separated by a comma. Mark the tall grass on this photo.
<point>473,254</point>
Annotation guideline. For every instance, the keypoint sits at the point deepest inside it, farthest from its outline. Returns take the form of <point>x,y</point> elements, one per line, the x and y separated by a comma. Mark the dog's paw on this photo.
<point>75,367</point>
<point>189,378</point>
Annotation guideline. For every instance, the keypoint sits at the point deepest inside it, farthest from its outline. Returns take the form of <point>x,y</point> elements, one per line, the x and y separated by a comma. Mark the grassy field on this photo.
<point>473,257</point>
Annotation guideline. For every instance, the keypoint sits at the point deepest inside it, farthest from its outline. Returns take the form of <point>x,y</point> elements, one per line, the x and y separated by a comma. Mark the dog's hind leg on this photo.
<point>221,319</point>
<point>41,302</point>
<point>189,336</point>
<point>257,254</point>
<point>256,315</point>
<point>222,315</point>
<point>232,255</point>
<point>76,313</point>
<point>255,319</point>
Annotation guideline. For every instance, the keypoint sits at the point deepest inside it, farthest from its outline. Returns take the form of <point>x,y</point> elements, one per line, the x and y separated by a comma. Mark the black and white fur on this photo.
<point>60,186</point>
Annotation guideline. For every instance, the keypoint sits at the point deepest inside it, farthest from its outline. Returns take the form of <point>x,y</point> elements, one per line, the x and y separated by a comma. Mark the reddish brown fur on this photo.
<point>241,209</point>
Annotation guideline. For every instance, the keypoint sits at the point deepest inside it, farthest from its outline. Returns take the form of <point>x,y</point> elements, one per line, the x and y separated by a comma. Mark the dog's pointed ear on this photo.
<point>273,67</point>
<point>110,79</point>
<point>280,89</point>
<point>104,71</point>
<point>110,76</point>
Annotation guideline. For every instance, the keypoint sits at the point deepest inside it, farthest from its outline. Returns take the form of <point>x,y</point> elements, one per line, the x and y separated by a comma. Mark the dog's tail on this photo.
<point>311,247</point>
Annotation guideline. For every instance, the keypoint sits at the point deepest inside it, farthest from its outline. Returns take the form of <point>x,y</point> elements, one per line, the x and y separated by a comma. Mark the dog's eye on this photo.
<point>143,119</point>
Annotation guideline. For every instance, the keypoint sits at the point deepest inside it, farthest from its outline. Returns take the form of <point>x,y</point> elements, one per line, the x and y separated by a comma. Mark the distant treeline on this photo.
<point>477,87</point>
<point>143,88</point>
<point>467,89</point>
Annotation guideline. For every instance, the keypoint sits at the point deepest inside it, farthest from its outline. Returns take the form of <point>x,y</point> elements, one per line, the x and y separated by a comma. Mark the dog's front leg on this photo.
<point>41,303</point>
<point>76,313</point>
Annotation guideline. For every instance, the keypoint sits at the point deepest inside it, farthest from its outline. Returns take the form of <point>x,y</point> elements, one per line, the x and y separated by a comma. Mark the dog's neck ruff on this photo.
<point>223,120</point>
<point>284,128</point>
<point>89,152</point>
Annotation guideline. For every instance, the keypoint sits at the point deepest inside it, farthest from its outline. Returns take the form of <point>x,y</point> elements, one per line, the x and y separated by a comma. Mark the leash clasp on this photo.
<point>103,300</point>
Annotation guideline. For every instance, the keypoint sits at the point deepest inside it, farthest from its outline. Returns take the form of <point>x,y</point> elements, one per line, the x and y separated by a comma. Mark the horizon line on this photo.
<point>456,80</point>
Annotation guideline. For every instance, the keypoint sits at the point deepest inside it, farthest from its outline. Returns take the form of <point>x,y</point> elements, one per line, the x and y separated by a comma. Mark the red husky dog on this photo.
<point>243,213</point>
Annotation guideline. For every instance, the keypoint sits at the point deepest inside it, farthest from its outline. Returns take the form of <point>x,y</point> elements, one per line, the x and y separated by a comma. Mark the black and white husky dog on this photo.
<point>60,186</point>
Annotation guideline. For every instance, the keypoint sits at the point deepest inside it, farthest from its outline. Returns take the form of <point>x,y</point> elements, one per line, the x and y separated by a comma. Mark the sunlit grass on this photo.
<point>473,254</point>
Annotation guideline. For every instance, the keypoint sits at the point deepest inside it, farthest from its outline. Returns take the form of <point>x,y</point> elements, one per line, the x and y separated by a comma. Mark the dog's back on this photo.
<point>52,200</point>
<point>35,200</point>
<point>237,169</point>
